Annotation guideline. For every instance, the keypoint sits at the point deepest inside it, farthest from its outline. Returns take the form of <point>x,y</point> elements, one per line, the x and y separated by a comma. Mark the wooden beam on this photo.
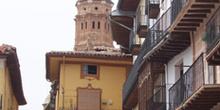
<point>199,11</point>
<point>207,1</point>
<point>190,20</point>
<point>189,24</point>
<point>195,16</point>
<point>203,6</point>
<point>185,29</point>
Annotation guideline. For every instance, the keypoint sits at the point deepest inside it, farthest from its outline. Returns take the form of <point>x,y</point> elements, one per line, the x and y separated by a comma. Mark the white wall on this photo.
<point>186,56</point>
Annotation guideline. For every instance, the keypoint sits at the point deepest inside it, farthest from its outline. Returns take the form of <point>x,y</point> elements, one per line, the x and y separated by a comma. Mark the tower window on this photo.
<point>106,10</point>
<point>96,8</point>
<point>81,26</point>
<point>108,27</point>
<point>98,25</point>
<point>86,25</point>
<point>93,24</point>
<point>105,26</point>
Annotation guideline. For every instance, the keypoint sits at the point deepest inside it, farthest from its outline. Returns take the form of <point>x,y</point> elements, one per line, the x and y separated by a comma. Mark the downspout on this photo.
<point>63,89</point>
<point>120,24</point>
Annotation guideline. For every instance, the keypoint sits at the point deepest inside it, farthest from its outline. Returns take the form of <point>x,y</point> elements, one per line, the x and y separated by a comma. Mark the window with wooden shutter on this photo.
<point>89,99</point>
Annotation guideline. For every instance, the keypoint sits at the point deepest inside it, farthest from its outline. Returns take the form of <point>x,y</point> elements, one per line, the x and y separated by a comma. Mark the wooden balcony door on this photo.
<point>89,99</point>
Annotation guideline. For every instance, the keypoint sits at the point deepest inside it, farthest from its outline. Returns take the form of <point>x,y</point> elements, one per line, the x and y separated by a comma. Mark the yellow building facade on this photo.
<point>99,89</point>
<point>92,76</point>
<point>11,93</point>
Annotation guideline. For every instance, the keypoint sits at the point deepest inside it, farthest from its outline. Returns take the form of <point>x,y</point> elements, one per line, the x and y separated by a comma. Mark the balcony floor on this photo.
<point>204,98</point>
<point>192,15</point>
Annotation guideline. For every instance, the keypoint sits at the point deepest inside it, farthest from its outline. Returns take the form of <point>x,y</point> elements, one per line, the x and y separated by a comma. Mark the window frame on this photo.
<point>96,76</point>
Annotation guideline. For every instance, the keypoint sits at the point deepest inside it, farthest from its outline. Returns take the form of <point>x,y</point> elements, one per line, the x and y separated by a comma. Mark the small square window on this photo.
<point>90,69</point>
<point>96,8</point>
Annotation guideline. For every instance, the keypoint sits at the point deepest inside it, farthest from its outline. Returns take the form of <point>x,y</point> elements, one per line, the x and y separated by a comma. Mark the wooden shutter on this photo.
<point>89,99</point>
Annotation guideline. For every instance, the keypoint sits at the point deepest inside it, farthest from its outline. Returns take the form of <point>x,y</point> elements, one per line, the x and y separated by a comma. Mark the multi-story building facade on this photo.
<point>175,47</point>
<point>11,91</point>
<point>92,76</point>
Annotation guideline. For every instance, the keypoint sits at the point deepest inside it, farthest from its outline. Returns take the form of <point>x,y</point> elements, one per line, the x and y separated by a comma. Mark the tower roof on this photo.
<point>96,0</point>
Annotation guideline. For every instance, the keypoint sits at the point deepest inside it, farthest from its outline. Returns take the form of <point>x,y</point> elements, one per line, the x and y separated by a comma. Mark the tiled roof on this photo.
<point>99,51</point>
<point>14,72</point>
<point>6,48</point>
<point>90,53</point>
<point>100,0</point>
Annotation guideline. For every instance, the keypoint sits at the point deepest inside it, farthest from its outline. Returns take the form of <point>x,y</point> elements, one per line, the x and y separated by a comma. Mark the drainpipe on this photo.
<point>120,24</point>
<point>63,91</point>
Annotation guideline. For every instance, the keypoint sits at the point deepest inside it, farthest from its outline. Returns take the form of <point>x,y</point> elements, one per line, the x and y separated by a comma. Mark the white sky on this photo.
<point>35,27</point>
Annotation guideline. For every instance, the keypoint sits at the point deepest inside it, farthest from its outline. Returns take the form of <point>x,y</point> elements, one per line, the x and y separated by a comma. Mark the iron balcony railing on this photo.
<point>1,101</point>
<point>213,31</point>
<point>160,29</point>
<point>177,6</point>
<point>189,82</point>
<point>157,101</point>
<point>158,32</point>
<point>141,19</point>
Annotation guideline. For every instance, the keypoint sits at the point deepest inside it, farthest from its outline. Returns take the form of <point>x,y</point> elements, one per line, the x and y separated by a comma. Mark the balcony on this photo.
<point>121,26</point>
<point>155,35</point>
<point>142,22</point>
<point>191,92</point>
<point>134,44</point>
<point>169,36</point>
<point>130,88</point>
<point>212,37</point>
<point>160,44</point>
<point>157,101</point>
<point>189,14</point>
<point>152,8</point>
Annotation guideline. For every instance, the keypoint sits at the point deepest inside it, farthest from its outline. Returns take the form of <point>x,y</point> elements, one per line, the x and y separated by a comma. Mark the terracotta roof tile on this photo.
<point>7,48</point>
<point>90,53</point>
<point>14,72</point>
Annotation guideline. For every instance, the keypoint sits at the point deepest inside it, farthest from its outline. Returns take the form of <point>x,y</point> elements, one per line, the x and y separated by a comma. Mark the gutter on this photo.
<point>121,13</point>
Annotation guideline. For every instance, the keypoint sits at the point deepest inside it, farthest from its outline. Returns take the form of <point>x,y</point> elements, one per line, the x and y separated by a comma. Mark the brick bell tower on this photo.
<point>93,25</point>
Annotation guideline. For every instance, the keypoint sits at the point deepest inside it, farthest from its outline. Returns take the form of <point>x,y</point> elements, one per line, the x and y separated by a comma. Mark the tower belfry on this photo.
<point>92,24</point>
